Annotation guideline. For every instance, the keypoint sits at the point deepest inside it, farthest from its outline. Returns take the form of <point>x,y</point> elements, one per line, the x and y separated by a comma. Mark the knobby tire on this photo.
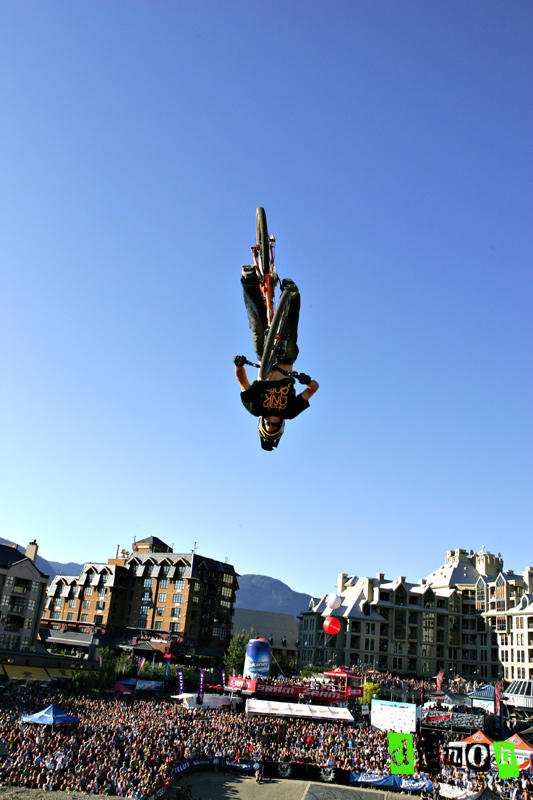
<point>261,239</point>
<point>272,340</point>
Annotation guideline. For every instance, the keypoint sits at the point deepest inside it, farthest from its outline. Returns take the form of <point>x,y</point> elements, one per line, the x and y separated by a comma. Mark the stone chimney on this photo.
<point>341,581</point>
<point>31,550</point>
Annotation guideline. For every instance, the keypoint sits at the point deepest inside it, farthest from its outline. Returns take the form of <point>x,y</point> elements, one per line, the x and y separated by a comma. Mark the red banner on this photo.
<point>439,680</point>
<point>497,694</point>
<point>286,690</point>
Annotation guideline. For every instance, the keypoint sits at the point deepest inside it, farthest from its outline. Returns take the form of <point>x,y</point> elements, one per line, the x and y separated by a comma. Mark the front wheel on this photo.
<point>261,241</point>
<point>274,336</point>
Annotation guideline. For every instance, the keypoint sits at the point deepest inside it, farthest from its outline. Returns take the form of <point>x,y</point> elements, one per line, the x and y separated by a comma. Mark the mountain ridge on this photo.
<point>256,592</point>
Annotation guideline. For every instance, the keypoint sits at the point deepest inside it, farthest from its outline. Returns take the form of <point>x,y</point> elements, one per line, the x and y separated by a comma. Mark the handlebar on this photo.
<point>288,373</point>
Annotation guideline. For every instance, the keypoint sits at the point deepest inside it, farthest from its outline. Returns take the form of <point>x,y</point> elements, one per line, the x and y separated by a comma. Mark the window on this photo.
<point>196,600</point>
<point>219,633</point>
<point>148,583</point>
<point>163,583</point>
<point>58,602</point>
<point>98,619</point>
<point>227,592</point>
<point>225,604</point>
<point>100,605</point>
<point>227,578</point>
<point>86,603</point>
<point>177,598</point>
<point>147,596</point>
<point>84,617</point>
<point>181,571</point>
<point>70,616</point>
<point>159,612</point>
<point>159,626</point>
<point>141,623</point>
<point>102,592</point>
<point>31,605</point>
<point>72,603</point>
<point>55,615</point>
<point>370,627</point>
<point>192,627</point>
<point>144,610</point>
<point>179,584</point>
<point>176,612</point>
<point>88,591</point>
<point>162,598</point>
<point>166,568</point>
<point>174,627</point>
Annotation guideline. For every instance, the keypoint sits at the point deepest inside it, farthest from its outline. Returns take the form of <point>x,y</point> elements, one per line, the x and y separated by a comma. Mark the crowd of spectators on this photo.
<point>127,747</point>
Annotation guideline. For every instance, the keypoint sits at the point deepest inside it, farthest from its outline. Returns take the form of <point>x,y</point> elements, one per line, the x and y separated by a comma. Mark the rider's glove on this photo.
<point>303,378</point>
<point>239,361</point>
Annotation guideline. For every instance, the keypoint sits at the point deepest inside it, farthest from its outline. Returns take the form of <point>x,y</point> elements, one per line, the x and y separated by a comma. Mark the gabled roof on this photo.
<point>9,556</point>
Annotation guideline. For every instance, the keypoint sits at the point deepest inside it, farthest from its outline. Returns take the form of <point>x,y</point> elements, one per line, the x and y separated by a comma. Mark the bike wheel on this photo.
<point>275,334</point>
<point>262,241</point>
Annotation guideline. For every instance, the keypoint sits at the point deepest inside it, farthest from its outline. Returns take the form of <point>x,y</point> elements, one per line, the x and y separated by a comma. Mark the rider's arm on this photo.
<point>311,389</point>
<point>242,377</point>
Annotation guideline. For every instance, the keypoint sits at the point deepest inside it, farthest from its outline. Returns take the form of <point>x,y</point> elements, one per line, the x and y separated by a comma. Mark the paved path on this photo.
<point>213,786</point>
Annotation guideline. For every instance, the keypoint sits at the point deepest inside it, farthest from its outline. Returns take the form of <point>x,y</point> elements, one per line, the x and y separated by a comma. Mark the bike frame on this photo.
<point>267,282</point>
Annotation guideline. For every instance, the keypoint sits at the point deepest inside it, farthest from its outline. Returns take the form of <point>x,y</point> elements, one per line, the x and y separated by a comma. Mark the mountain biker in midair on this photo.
<point>275,396</point>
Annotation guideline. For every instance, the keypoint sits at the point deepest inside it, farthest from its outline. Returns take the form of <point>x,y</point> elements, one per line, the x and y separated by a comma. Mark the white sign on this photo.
<point>389,716</point>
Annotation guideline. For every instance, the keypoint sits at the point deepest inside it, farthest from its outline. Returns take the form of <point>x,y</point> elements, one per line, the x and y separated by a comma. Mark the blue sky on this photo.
<point>390,143</point>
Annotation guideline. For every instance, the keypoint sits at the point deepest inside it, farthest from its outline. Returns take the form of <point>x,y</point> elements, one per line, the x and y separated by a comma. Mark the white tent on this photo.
<point>210,700</point>
<point>276,709</point>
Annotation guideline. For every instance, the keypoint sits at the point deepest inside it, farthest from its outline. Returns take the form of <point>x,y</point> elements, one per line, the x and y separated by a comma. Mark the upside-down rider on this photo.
<point>273,400</point>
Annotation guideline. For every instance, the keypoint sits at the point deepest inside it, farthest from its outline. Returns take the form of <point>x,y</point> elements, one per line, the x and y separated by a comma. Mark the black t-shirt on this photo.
<point>274,398</point>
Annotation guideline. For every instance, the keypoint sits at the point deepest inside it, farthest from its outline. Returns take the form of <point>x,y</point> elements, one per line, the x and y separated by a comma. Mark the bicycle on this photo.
<point>275,341</point>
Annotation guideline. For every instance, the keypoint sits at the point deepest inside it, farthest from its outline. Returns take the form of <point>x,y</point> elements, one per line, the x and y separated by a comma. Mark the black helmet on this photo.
<point>270,440</point>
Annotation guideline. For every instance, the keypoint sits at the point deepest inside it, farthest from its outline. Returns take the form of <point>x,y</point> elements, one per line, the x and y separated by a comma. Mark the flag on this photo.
<point>497,696</point>
<point>181,682</point>
<point>142,662</point>
<point>166,669</point>
<point>440,676</point>
<point>153,665</point>
<point>422,693</point>
<point>233,683</point>
<point>223,672</point>
<point>101,660</point>
<point>200,696</point>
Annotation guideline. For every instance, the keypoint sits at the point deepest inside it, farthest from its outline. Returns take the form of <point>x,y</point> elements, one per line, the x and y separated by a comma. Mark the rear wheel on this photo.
<point>262,241</point>
<point>275,336</point>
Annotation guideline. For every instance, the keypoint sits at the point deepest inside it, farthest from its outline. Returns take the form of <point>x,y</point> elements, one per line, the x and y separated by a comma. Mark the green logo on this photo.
<point>506,760</point>
<point>402,753</point>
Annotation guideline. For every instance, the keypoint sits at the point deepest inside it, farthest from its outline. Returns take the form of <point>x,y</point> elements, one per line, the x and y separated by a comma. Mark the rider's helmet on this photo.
<point>270,439</point>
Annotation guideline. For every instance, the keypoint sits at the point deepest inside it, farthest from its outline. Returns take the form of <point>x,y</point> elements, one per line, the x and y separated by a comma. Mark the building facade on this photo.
<point>460,618</point>
<point>22,597</point>
<point>182,600</point>
<point>281,630</point>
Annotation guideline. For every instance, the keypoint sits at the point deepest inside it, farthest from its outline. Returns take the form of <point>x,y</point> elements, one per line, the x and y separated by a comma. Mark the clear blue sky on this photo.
<point>391,145</point>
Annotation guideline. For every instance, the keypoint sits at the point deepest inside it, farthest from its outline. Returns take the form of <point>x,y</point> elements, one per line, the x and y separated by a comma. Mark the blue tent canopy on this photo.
<point>52,715</point>
<point>487,692</point>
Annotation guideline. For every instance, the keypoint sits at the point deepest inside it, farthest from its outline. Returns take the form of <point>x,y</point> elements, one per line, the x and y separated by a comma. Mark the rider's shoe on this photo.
<point>248,273</point>
<point>290,286</point>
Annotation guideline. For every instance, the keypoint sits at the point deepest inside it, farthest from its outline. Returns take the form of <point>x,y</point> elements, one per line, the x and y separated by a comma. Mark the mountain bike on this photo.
<point>263,255</point>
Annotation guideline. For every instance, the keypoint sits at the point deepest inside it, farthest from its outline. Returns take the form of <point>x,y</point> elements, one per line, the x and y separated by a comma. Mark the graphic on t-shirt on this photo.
<point>276,398</point>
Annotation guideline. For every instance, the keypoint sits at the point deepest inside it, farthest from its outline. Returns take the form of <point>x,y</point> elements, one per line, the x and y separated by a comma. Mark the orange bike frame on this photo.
<point>266,284</point>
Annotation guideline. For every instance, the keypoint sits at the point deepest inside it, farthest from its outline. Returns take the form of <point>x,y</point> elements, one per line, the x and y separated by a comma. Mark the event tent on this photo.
<point>341,672</point>
<point>478,738</point>
<point>523,750</point>
<point>52,715</point>
<point>208,701</point>
<point>275,709</point>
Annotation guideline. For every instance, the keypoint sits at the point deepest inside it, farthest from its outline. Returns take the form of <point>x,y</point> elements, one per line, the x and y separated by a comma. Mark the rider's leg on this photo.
<point>291,330</point>
<point>255,308</point>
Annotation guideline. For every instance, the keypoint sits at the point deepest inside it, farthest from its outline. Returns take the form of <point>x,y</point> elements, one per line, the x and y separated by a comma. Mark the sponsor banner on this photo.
<point>452,792</point>
<point>435,717</point>
<point>284,690</point>
<point>390,716</point>
<point>392,781</point>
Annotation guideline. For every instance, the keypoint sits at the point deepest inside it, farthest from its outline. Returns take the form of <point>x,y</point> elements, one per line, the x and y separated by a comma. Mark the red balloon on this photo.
<point>331,625</point>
